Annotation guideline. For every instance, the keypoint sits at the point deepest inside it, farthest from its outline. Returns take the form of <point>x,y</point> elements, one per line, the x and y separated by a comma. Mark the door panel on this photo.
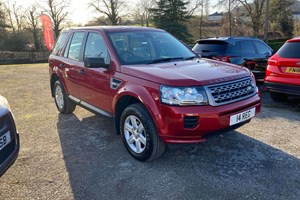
<point>72,64</point>
<point>95,82</point>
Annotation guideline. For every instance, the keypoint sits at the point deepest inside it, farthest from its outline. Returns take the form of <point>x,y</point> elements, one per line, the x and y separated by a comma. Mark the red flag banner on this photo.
<point>48,31</point>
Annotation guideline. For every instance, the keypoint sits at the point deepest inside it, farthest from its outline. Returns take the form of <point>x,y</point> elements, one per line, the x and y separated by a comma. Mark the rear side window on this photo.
<point>290,50</point>
<point>210,46</point>
<point>74,46</point>
<point>233,48</point>
<point>262,48</point>
<point>247,47</point>
<point>60,43</point>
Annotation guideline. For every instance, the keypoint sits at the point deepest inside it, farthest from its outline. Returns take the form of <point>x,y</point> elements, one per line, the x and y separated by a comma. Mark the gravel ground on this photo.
<point>79,156</point>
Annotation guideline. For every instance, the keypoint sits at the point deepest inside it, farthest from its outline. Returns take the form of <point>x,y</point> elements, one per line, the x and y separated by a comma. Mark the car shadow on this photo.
<point>228,166</point>
<point>292,103</point>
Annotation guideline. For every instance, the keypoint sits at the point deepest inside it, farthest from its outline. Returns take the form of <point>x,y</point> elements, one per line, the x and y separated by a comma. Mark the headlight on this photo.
<point>254,82</point>
<point>4,103</point>
<point>183,96</point>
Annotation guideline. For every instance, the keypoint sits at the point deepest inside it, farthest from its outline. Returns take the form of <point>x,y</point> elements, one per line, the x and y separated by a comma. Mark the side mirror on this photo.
<point>95,62</point>
<point>268,54</point>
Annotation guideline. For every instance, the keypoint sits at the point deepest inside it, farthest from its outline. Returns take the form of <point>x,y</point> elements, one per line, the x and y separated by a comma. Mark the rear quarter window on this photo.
<point>290,50</point>
<point>262,48</point>
<point>59,45</point>
<point>247,47</point>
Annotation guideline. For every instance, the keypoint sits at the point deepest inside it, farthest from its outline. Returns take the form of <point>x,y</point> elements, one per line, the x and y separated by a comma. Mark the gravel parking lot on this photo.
<point>79,156</point>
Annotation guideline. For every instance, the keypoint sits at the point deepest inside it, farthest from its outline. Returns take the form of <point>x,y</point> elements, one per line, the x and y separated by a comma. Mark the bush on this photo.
<point>276,44</point>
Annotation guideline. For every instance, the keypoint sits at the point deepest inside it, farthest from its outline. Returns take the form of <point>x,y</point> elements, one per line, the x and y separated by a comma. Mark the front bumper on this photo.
<point>259,75</point>
<point>194,123</point>
<point>282,88</point>
<point>12,157</point>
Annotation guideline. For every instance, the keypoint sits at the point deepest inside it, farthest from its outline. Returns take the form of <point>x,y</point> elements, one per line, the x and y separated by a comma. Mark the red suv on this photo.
<point>283,71</point>
<point>155,89</point>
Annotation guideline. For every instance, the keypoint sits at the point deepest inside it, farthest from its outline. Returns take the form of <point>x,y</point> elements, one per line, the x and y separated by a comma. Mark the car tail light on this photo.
<point>251,65</point>
<point>273,62</point>
<point>222,58</point>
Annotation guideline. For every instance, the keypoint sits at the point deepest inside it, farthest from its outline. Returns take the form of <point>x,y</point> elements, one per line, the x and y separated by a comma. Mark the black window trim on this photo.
<point>67,48</point>
<point>64,44</point>
<point>85,43</point>
<point>266,45</point>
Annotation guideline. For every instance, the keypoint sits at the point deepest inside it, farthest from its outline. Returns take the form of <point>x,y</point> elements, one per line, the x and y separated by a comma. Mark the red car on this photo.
<point>283,71</point>
<point>155,89</point>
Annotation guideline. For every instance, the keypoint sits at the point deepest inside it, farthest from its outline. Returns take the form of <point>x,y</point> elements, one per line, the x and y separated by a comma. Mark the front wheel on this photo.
<point>139,134</point>
<point>62,101</point>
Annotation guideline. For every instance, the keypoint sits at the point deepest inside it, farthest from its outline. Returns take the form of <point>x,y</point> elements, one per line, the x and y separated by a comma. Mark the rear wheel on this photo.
<point>278,96</point>
<point>62,101</point>
<point>139,134</point>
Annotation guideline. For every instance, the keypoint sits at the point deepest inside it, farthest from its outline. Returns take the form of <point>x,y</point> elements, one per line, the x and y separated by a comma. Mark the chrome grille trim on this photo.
<point>229,92</point>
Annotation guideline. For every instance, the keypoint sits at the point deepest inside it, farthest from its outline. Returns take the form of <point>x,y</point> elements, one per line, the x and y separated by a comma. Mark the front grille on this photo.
<point>229,92</point>
<point>190,121</point>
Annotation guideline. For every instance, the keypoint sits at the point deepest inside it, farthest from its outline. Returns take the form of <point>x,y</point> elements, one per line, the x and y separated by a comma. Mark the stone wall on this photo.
<point>7,57</point>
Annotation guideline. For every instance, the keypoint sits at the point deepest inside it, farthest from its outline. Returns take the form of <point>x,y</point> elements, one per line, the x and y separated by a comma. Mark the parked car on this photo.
<point>9,138</point>
<point>283,71</point>
<point>249,52</point>
<point>155,89</point>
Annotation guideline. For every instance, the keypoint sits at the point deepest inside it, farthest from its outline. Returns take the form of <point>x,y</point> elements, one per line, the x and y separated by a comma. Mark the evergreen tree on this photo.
<point>281,16</point>
<point>172,15</point>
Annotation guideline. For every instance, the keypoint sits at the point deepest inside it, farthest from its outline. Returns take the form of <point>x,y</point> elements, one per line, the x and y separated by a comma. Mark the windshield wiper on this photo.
<point>170,59</point>
<point>190,58</point>
<point>164,60</point>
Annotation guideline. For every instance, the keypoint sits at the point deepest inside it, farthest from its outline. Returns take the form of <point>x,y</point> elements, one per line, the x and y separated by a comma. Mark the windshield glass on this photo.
<point>145,47</point>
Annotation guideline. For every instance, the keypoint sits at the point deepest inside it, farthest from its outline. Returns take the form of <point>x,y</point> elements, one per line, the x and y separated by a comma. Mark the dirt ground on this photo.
<point>79,156</point>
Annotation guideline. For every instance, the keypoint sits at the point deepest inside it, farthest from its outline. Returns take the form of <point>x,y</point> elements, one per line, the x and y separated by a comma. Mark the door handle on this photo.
<point>82,71</point>
<point>62,65</point>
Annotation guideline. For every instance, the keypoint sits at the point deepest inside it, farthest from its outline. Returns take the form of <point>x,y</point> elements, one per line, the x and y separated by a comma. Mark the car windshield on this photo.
<point>290,50</point>
<point>148,47</point>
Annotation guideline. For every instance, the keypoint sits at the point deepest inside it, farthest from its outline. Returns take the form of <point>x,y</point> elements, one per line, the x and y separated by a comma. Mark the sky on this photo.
<point>79,11</point>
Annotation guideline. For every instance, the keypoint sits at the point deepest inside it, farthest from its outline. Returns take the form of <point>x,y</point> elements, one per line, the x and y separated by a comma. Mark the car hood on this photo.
<point>187,73</point>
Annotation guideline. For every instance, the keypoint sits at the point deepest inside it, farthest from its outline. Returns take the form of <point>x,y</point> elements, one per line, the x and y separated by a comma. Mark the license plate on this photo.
<point>4,140</point>
<point>292,70</point>
<point>243,116</point>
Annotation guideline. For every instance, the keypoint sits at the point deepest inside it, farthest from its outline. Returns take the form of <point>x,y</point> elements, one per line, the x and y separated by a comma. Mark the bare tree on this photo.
<point>110,9</point>
<point>58,11</point>
<point>142,15</point>
<point>16,38</point>
<point>15,17</point>
<point>196,5</point>
<point>267,18</point>
<point>203,4</point>
<point>2,16</point>
<point>230,5</point>
<point>256,12</point>
<point>33,19</point>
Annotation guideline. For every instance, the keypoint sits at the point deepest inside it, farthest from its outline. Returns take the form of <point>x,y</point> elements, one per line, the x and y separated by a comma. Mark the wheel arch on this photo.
<point>131,95</point>
<point>55,77</point>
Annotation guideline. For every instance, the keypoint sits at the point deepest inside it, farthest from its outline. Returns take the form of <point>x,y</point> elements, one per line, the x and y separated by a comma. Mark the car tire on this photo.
<point>278,97</point>
<point>63,103</point>
<point>139,133</point>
